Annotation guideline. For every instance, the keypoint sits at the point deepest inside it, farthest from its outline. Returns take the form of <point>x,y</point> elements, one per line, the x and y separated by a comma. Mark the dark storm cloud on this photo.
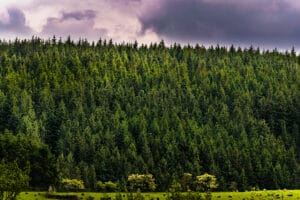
<point>76,24</point>
<point>15,23</point>
<point>266,22</point>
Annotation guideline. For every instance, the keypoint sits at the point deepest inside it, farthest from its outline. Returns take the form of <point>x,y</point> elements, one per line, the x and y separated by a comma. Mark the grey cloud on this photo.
<point>76,24</point>
<point>88,14</point>
<point>16,23</point>
<point>265,22</point>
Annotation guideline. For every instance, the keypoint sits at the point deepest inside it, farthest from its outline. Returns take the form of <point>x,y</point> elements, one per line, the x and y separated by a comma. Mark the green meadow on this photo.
<point>271,194</point>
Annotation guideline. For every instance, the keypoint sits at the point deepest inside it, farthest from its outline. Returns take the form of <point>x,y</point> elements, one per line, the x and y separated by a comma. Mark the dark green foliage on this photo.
<point>13,180</point>
<point>106,111</point>
<point>23,150</point>
<point>186,182</point>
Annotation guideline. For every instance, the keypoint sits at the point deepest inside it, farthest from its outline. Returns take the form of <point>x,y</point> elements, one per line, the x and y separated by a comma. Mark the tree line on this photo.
<point>100,111</point>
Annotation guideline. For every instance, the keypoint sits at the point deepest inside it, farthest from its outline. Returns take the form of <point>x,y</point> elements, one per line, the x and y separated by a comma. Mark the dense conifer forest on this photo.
<point>101,111</point>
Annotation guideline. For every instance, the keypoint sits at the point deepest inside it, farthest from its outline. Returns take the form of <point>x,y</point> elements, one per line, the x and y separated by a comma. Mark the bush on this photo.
<point>72,184</point>
<point>206,182</point>
<point>100,186</point>
<point>108,186</point>
<point>144,182</point>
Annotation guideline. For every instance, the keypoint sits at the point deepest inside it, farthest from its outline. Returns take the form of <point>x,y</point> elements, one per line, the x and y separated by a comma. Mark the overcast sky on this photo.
<point>264,23</point>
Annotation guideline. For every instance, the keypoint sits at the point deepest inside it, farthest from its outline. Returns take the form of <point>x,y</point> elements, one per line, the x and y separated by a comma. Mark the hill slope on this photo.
<point>107,110</point>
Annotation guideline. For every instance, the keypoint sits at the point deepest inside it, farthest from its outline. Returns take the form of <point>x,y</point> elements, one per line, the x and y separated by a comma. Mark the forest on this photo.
<point>100,111</point>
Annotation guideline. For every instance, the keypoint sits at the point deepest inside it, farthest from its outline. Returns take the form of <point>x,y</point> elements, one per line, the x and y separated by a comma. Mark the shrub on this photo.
<point>144,182</point>
<point>206,182</point>
<point>72,184</point>
<point>100,186</point>
<point>110,186</point>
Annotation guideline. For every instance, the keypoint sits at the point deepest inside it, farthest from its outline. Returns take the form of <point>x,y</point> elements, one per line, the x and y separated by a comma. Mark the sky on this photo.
<point>266,24</point>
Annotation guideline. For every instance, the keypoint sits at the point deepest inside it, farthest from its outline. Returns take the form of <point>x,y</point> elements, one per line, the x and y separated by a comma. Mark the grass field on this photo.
<point>274,194</point>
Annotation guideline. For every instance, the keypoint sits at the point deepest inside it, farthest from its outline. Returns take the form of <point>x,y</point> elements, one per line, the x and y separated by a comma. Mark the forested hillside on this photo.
<point>101,111</point>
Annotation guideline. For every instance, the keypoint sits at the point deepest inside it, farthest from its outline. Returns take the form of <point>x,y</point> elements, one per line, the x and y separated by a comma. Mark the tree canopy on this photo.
<point>102,111</point>
<point>13,180</point>
<point>206,182</point>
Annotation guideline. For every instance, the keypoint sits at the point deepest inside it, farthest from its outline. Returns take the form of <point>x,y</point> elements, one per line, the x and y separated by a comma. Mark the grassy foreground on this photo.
<point>274,194</point>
